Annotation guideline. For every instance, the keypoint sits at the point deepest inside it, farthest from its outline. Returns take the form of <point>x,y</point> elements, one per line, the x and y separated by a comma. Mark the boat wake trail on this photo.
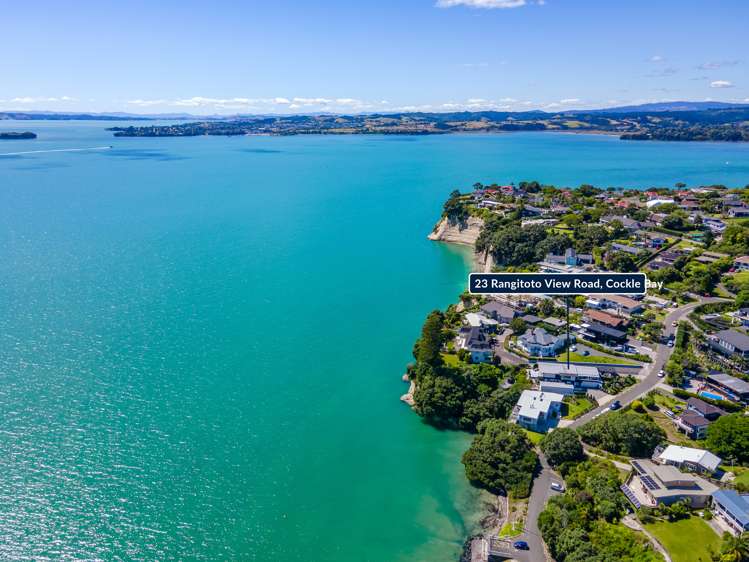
<point>55,150</point>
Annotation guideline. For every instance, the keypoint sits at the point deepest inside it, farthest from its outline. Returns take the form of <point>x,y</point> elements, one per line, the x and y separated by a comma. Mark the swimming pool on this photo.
<point>711,395</point>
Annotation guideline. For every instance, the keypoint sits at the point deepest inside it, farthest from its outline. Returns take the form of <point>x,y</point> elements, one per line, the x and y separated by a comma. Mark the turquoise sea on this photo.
<point>201,339</point>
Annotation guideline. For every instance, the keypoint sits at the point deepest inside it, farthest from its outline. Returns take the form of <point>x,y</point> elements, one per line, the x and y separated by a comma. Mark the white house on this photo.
<point>697,460</point>
<point>538,411</point>
<point>658,202</point>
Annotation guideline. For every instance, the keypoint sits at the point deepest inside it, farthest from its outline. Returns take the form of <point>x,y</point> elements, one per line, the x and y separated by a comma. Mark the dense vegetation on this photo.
<point>562,445</point>
<point>463,395</point>
<point>728,437</point>
<point>581,525</point>
<point>624,433</point>
<point>501,459</point>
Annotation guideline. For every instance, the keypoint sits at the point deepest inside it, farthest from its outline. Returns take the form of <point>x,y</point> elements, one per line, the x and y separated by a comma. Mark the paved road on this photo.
<point>651,379</point>
<point>540,494</point>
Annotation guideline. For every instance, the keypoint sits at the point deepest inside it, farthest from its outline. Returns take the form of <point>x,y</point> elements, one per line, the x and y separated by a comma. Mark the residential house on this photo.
<point>741,316</point>
<point>603,334</point>
<point>731,343</point>
<point>537,411</point>
<point>581,377</point>
<point>622,304</point>
<point>692,424</point>
<point>732,387</point>
<point>716,226</point>
<point>537,342</point>
<point>707,411</point>
<point>563,388</point>
<point>738,212</point>
<point>688,458</point>
<point>624,248</point>
<point>605,318</point>
<point>653,239</point>
<point>487,325</point>
<point>476,341</point>
<point>651,484</point>
<point>741,263</point>
<point>653,203</point>
<point>629,224</point>
<point>500,312</point>
<point>570,257</point>
<point>731,511</point>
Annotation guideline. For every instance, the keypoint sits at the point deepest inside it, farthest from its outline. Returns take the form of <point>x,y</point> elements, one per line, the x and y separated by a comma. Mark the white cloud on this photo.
<point>475,64</point>
<point>29,99</point>
<point>721,84</point>
<point>568,101</point>
<point>657,58</point>
<point>483,4</point>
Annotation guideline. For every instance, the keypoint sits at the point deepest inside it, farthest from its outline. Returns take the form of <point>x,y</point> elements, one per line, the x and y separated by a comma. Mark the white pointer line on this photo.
<point>55,150</point>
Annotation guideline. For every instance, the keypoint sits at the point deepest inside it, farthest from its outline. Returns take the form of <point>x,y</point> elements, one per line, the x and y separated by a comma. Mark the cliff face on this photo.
<point>465,234</point>
<point>458,233</point>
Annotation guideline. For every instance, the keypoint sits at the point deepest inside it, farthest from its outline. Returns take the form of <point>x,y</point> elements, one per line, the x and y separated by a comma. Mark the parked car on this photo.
<point>586,352</point>
<point>670,343</point>
<point>661,373</point>
<point>520,545</point>
<point>557,487</point>
<point>674,323</point>
<point>615,405</point>
<point>573,348</point>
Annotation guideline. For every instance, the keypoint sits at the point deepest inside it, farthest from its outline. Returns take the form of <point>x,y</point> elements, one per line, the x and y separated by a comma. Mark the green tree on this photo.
<point>518,325</point>
<point>439,399</point>
<point>428,346</point>
<point>562,445</point>
<point>624,433</point>
<point>734,549</point>
<point>728,437</point>
<point>501,459</point>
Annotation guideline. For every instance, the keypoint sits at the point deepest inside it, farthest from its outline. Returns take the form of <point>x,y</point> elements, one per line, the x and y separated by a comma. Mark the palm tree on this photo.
<point>735,549</point>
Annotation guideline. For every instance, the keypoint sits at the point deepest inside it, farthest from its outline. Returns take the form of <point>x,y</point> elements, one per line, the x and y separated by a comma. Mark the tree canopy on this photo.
<point>624,433</point>
<point>501,459</point>
<point>562,445</point>
<point>728,437</point>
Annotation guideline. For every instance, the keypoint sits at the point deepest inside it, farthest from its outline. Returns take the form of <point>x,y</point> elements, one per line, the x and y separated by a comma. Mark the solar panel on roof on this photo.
<point>650,483</point>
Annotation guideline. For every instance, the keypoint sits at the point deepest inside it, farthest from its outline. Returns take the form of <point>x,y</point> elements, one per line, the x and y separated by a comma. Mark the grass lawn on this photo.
<point>511,529</point>
<point>576,407</point>
<point>594,359</point>
<point>741,472</point>
<point>450,359</point>
<point>667,401</point>
<point>673,436</point>
<point>534,437</point>
<point>688,540</point>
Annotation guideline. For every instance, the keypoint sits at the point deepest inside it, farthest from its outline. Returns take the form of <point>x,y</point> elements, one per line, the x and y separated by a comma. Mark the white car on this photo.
<point>661,373</point>
<point>556,486</point>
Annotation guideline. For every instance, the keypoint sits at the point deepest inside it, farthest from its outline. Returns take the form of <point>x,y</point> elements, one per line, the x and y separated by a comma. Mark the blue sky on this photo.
<point>369,55</point>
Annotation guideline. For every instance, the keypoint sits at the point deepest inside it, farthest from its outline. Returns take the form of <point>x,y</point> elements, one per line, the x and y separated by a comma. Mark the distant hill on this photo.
<point>665,106</point>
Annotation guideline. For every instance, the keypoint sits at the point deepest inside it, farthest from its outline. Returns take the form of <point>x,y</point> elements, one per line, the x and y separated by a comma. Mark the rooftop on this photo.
<point>677,454</point>
<point>533,403</point>
<point>737,504</point>
<point>734,384</point>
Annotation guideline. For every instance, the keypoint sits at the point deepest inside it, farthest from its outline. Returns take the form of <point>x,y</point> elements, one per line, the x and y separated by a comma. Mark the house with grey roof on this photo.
<point>651,484</point>
<point>730,343</point>
<point>537,342</point>
<point>500,312</point>
<point>734,388</point>
<point>580,377</point>
<point>476,341</point>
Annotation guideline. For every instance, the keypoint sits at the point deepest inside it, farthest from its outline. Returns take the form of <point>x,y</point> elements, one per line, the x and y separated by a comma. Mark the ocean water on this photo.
<point>201,339</point>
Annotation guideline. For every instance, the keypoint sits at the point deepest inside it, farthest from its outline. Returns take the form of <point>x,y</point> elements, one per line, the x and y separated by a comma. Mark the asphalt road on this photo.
<point>651,379</point>
<point>542,491</point>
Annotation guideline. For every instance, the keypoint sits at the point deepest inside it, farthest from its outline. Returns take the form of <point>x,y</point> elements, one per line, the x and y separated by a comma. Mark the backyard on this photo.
<point>702,539</point>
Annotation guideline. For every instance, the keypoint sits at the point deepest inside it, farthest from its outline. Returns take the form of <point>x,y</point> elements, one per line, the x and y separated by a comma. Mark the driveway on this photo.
<point>500,351</point>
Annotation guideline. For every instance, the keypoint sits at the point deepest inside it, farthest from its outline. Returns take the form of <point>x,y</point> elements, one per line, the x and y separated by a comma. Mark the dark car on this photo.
<point>615,405</point>
<point>520,545</point>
